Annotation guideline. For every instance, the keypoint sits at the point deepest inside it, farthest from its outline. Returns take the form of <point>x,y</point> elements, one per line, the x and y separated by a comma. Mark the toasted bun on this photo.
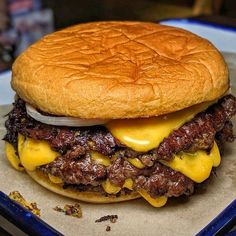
<point>119,70</point>
<point>93,197</point>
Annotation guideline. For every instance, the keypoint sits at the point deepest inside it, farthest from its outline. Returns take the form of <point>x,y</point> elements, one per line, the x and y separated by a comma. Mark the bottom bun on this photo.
<point>86,196</point>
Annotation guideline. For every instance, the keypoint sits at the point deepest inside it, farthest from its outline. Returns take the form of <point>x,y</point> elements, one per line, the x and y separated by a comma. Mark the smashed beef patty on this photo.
<point>198,133</point>
<point>74,165</point>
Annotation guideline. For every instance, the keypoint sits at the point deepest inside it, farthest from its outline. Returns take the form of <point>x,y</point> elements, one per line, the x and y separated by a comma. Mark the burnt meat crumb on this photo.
<point>112,218</point>
<point>70,210</point>
<point>108,228</point>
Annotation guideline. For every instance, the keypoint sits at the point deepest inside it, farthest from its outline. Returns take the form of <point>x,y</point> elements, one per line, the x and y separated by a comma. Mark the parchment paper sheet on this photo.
<point>137,217</point>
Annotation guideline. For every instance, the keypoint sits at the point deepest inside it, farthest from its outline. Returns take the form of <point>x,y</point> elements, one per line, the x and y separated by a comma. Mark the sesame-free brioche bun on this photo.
<point>86,196</point>
<point>113,70</point>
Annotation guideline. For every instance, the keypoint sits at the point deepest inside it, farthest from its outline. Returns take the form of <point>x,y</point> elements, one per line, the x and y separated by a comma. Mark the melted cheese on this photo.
<point>145,134</point>
<point>12,157</point>
<point>55,179</point>
<point>98,158</point>
<point>128,184</point>
<point>34,153</point>
<point>110,188</point>
<point>215,155</point>
<point>196,166</point>
<point>156,202</point>
<point>136,162</point>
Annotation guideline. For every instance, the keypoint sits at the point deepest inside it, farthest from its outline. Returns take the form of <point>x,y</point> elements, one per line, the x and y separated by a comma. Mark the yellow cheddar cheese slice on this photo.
<point>98,158</point>
<point>12,157</point>
<point>145,134</point>
<point>34,153</point>
<point>156,202</point>
<point>196,166</point>
<point>110,188</point>
<point>136,162</point>
<point>55,179</point>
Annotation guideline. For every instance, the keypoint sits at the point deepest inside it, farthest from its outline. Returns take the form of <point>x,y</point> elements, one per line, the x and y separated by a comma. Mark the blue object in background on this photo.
<point>223,223</point>
<point>24,219</point>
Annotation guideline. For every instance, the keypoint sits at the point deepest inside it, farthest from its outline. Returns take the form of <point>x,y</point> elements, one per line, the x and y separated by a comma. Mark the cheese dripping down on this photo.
<point>139,134</point>
<point>34,153</point>
<point>145,134</point>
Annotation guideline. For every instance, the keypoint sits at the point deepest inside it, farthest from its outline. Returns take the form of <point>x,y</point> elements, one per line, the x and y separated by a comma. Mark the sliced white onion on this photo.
<point>229,91</point>
<point>62,120</point>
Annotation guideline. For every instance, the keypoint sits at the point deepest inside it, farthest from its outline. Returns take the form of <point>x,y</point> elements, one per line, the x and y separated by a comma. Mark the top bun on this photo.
<point>113,70</point>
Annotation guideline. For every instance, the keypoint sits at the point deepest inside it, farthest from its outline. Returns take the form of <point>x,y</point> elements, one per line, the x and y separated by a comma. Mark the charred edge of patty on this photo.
<point>99,188</point>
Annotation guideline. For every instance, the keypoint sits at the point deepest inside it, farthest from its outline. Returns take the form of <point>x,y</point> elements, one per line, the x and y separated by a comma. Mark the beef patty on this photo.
<point>74,164</point>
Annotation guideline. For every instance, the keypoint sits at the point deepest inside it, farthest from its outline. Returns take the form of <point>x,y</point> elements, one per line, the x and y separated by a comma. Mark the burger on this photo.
<point>112,111</point>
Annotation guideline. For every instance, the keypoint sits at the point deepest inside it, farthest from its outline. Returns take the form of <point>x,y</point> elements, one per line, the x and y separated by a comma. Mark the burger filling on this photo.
<point>158,157</point>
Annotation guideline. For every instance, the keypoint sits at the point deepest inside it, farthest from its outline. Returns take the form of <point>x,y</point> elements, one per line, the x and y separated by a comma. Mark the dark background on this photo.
<point>69,12</point>
<point>15,37</point>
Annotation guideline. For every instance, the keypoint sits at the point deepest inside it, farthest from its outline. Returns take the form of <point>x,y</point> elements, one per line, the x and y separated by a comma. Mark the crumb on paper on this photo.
<point>112,218</point>
<point>70,210</point>
<point>17,197</point>
<point>59,209</point>
<point>108,228</point>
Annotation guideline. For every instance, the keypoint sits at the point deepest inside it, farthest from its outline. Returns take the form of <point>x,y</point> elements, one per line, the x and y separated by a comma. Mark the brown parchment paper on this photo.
<point>137,217</point>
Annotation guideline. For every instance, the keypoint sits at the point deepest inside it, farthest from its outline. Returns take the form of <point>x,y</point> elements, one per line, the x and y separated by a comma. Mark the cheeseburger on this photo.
<point>112,111</point>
